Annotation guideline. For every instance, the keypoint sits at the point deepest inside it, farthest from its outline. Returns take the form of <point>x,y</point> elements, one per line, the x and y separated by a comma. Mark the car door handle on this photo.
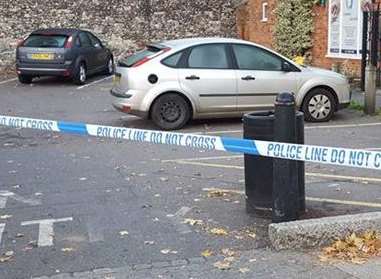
<point>192,77</point>
<point>248,78</point>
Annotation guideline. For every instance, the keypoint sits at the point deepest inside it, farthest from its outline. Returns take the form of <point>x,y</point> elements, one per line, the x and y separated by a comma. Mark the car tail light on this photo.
<point>148,58</point>
<point>20,42</point>
<point>69,42</point>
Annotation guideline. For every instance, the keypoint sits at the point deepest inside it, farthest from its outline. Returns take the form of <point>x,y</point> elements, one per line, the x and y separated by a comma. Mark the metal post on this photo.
<point>364,49</point>
<point>370,71</point>
<point>285,186</point>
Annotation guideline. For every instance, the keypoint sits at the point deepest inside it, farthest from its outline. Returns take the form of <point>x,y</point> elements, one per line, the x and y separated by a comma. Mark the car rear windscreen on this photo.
<point>55,41</point>
<point>129,61</point>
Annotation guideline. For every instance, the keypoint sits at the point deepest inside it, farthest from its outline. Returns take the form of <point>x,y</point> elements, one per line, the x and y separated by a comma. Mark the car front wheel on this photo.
<point>319,105</point>
<point>25,79</point>
<point>170,112</point>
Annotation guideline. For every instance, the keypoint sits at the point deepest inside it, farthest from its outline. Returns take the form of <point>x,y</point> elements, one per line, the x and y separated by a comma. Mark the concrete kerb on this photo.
<point>321,231</point>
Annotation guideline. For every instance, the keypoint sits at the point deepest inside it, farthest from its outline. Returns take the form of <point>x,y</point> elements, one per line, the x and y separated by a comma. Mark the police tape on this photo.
<point>308,153</point>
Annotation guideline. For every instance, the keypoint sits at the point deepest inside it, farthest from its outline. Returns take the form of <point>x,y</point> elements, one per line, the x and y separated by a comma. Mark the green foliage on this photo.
<point>293,28</point>
<point>355,105</point>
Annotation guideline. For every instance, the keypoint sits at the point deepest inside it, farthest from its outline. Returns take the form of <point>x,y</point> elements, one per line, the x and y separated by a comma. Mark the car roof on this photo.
<point>187,42</point>
<point>56,31</point>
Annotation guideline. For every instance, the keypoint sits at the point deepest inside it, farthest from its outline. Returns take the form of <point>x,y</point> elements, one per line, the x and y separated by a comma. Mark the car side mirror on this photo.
<point>286,67</point>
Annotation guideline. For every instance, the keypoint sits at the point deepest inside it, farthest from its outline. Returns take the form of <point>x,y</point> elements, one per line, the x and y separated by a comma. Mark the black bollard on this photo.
<point>301,164</point>
<point>286,201</point>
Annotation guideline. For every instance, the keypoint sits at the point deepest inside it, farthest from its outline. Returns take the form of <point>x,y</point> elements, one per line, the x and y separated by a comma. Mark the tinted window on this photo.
<point>85,41</point>
<point>255,58</point>
<point>172,60</point>
<point>208,57</point>
<point>45,41</point>
<point>94,40</point>
<point>129,61</point>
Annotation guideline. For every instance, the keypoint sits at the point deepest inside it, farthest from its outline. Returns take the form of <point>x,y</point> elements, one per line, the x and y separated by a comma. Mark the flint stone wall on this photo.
<point>124,24</point>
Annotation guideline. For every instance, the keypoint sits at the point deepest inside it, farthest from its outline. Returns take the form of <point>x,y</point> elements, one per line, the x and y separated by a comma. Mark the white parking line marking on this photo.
<point>2,227</point>
<point>94,82</point>
<point>346,202</point>
<point>8,80</point>
<point>4,195</point>
<point>311,174</point>
<point>306,128</point>
<point>46,231</point>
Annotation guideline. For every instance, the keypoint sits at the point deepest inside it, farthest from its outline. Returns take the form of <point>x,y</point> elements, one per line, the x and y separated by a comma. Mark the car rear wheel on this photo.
<point>25,79</point>
<point>319,105</point>
<point>170,112</point>
<point>80,74</point>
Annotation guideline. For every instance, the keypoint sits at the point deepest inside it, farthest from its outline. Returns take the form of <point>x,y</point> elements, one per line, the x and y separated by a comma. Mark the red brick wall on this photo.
<point>251,28</point>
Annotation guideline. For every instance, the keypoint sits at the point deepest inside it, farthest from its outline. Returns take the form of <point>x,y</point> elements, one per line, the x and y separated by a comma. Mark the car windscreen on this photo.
<point>55,41</point>
<point>129,61</point>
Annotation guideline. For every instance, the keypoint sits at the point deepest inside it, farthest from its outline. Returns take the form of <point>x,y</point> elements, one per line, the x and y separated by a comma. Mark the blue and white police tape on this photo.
<point>309,153</point>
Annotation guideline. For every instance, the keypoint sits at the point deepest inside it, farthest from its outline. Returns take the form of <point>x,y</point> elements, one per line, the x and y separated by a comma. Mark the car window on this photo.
<point>45,41</point>
<point>211,56</point>
<point>139,56</point>
<point>85,41</point>
<point>94,40</point>
<point>77,42</point>
<point>255,58</point>
<point>172,60</point>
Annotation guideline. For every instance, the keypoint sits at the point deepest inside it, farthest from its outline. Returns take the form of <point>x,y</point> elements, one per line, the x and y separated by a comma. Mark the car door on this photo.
<point>207,74</point>
<point>100,53</point>
<point>261,77</point>
<point>87,51</point>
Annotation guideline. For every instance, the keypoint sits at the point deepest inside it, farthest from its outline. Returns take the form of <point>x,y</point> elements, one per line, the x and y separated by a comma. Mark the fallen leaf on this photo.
<point>149,242</point>
<point>193,222</point>
<point>206,253</point>
<point>244,270</point>
<point>216,194</point>
<point>83,179</point>
<point>67,249</point>
<point>4,217</point>
<point>222,265</point>
<point>4,259</point>
<point>228,252</point>
<point>164,179</point>
<point>218,231</point>
<point>229,259</point>
<point>9,253</point>
<point>165,251</point>
<point>19,235</point>
<point>123,233</point>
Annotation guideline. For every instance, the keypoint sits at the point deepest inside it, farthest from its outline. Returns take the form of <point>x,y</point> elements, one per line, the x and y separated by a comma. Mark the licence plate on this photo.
<point>116,78</point>
<point>42,56</point>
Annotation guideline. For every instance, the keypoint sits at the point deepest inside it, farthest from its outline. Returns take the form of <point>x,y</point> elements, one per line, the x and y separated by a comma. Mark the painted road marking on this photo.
<point>2,227</point>
<point>94,82</point>
<point>306,128</point>
<point>46,230</point>
<point>193,161</point>
<point>8,80</point>
<point>4,195</point>
<point>346,202</point>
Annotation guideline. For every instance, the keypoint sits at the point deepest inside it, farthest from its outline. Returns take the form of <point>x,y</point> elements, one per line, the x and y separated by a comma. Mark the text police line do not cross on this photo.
<point>309,153</point>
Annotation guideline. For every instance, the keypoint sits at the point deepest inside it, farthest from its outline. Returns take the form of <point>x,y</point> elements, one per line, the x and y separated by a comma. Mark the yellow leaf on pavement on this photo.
<point>222,265</point>
<point>218,231</point>
<point>206,253</point>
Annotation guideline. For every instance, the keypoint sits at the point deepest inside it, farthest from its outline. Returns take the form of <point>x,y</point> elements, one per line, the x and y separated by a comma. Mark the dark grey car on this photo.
<point>71,53</point>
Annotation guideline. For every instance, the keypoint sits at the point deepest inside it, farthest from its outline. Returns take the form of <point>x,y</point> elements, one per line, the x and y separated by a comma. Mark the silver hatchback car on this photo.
<point>174,81</point>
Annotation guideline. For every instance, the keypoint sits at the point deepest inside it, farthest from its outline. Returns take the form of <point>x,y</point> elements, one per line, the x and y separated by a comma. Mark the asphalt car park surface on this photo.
<point>71,204</point>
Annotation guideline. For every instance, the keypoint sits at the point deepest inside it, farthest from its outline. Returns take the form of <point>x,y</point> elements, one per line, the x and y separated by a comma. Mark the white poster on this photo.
<point>345,27</point>
<point>334,30</point>
<point>349,29</point>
